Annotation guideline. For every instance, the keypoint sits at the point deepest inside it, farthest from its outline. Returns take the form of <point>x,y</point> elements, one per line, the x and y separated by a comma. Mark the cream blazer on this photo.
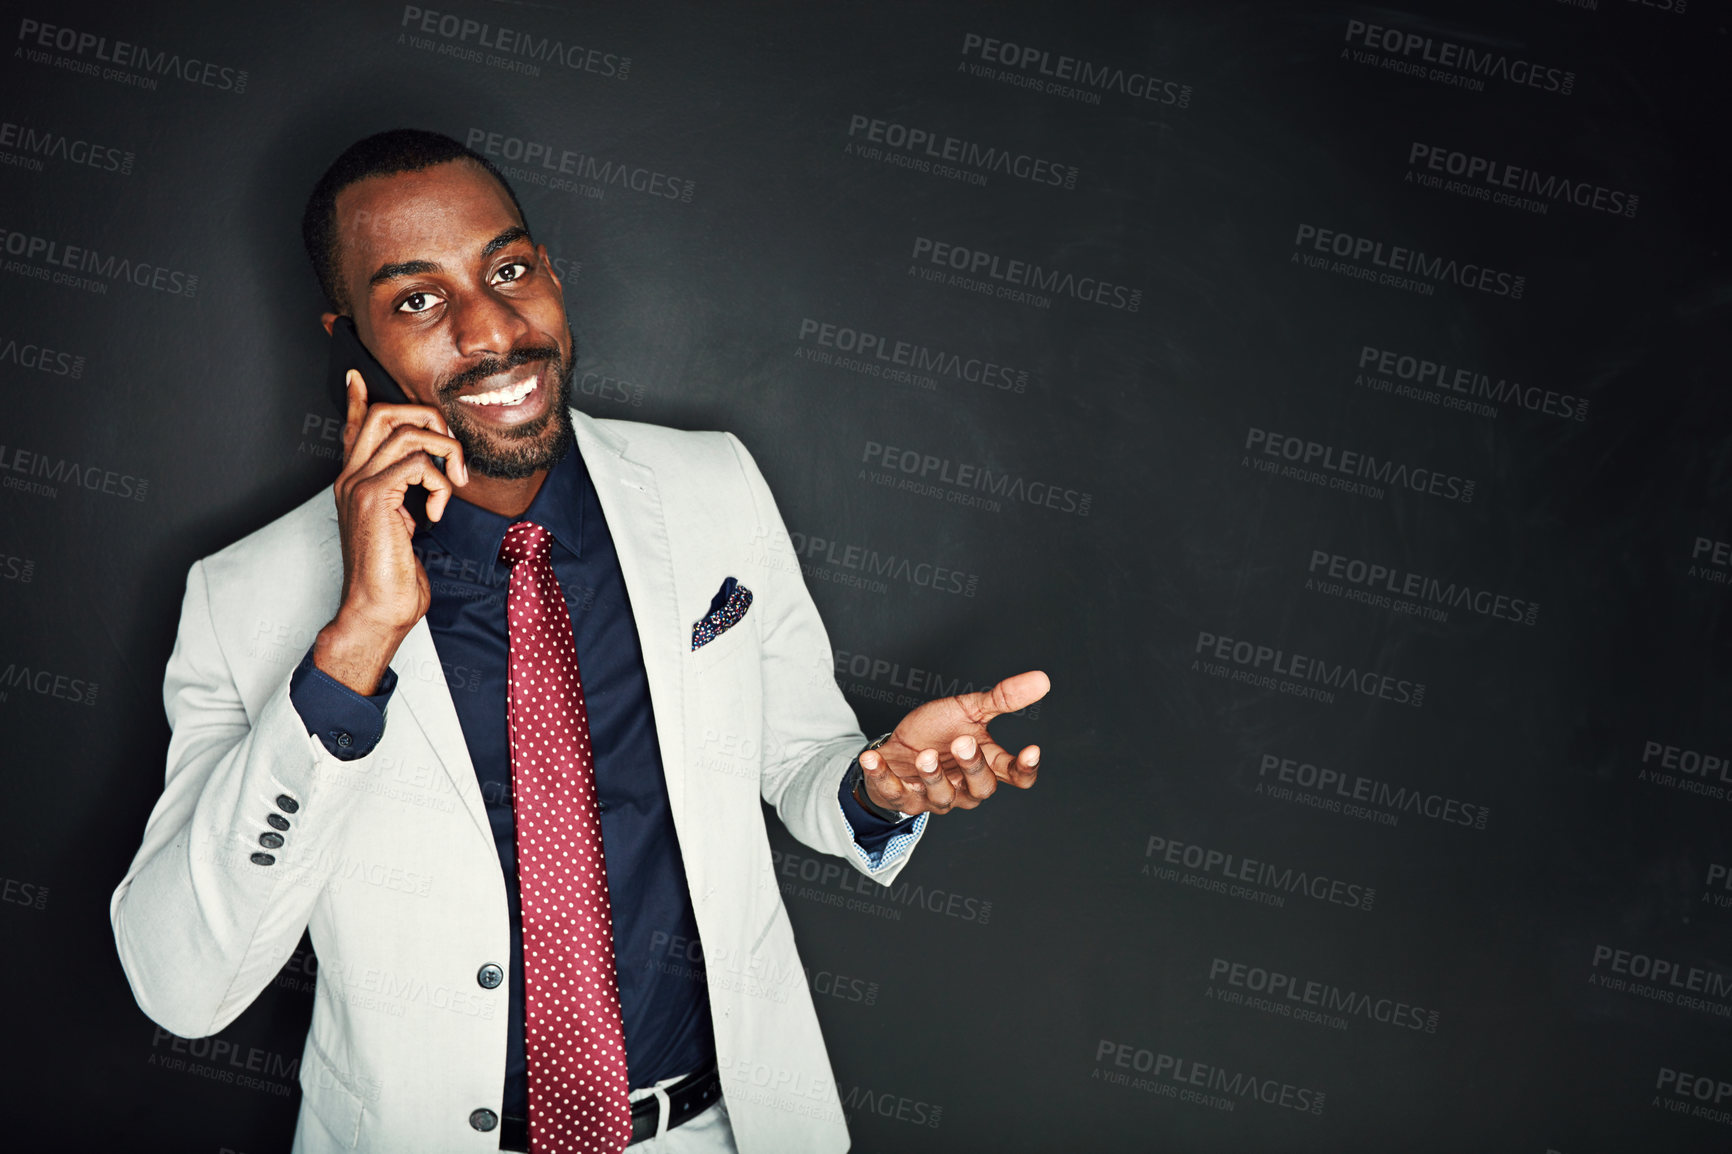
<point>389,860</point>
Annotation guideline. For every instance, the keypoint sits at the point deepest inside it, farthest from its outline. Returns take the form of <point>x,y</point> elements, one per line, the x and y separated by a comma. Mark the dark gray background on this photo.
<point>996,1020</point>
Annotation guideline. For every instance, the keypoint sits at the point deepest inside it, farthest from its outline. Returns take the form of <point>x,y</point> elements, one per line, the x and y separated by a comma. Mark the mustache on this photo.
<point>492,366</point>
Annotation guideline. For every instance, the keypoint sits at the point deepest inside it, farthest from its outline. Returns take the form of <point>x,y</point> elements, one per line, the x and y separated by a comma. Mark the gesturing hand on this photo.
<point>941,757</point>
<point>386,449</point>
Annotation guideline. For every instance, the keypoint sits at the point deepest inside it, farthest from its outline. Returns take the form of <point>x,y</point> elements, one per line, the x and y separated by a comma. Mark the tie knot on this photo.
<point>526,541</point>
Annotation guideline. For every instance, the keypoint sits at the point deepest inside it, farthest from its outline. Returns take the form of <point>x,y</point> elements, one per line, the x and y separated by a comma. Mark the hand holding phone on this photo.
<point>389,450</point>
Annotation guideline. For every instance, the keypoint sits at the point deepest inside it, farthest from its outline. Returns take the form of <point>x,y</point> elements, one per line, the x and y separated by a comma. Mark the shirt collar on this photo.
<point>470,531</point>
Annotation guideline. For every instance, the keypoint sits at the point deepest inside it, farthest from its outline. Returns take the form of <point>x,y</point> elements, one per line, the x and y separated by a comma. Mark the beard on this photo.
<point>522,451</point>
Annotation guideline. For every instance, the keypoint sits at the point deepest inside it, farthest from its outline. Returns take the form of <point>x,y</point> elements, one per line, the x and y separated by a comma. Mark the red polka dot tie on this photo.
<point>578,1093</point>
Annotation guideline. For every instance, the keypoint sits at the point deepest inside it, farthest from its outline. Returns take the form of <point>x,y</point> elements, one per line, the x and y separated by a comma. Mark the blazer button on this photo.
<point>271,840</point>
<point>483,1119</point>
<point>490,976</point>
<point>287,804</point>
<point>263,859</point>
<point>276,821</point>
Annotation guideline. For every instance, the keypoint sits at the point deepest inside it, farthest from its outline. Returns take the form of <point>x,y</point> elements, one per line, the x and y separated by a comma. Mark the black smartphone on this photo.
<point>347,352</point>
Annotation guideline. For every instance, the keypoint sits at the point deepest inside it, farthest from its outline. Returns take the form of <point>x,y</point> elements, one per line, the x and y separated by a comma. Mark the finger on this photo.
<point>407,439</point>
<point>1024,767</point>
<point>1008,696</point>
<point>382,419</point>
<point>355,413</point>
<point>977,775</point>
<point>389,485</point>
<point>940,796</point>
<point>882,786</point>
<point>1019,770</point>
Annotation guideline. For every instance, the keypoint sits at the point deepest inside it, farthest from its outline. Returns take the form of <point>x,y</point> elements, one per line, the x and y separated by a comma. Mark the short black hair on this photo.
<point>382,154</point>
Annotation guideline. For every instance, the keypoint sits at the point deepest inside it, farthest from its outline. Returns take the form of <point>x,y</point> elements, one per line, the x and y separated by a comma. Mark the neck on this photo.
<point>506,498</point>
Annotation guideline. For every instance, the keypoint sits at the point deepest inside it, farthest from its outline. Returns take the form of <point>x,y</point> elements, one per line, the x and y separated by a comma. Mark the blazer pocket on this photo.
<point>728,645</point>
<point>328,1097</point>
<point>727,609</point>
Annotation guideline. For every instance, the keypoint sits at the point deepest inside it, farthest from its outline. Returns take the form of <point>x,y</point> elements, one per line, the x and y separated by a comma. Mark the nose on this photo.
<point>488,324</point>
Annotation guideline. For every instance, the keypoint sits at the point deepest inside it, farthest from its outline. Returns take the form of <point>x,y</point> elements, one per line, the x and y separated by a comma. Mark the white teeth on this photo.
<point>509,395</point>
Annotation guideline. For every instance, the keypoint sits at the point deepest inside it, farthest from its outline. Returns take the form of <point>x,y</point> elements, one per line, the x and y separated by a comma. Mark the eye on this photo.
<point>417,302</point>
<point>506,273</point>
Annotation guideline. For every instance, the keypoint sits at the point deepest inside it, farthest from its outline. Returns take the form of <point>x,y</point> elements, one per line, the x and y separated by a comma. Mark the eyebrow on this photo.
<point>388,272</point>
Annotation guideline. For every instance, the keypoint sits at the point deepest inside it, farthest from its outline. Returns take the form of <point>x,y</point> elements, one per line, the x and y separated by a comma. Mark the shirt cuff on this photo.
<point>347,723</point>
<point>877,841</point>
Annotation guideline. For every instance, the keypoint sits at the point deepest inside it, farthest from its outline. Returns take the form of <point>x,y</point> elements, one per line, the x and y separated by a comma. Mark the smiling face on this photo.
<point>458,304</point>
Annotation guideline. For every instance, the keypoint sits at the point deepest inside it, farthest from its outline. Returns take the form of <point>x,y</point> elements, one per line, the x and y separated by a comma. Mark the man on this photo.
<point>518,771</point>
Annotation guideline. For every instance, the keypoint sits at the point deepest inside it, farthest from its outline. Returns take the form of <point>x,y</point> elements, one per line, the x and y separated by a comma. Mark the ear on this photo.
<point>328,319</point>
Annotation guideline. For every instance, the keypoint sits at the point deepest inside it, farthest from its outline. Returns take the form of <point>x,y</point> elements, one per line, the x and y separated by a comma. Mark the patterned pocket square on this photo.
<point>729,605</point>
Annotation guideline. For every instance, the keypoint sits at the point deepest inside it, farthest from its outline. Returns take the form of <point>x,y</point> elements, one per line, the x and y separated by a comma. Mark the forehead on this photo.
<point>447,211</point>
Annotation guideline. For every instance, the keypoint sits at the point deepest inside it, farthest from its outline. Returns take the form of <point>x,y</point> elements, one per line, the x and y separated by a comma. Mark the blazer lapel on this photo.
<point>421,686</point>
<point>632,504</point>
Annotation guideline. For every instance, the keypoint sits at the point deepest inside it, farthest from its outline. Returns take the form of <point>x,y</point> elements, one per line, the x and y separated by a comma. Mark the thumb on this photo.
<point>1010,695</point>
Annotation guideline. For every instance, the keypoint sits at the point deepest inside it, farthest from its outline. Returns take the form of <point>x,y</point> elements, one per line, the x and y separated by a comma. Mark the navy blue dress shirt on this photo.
<point>663,998</point>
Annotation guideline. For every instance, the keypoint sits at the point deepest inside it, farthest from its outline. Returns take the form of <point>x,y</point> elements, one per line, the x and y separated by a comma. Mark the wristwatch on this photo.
<point>857,778</point>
